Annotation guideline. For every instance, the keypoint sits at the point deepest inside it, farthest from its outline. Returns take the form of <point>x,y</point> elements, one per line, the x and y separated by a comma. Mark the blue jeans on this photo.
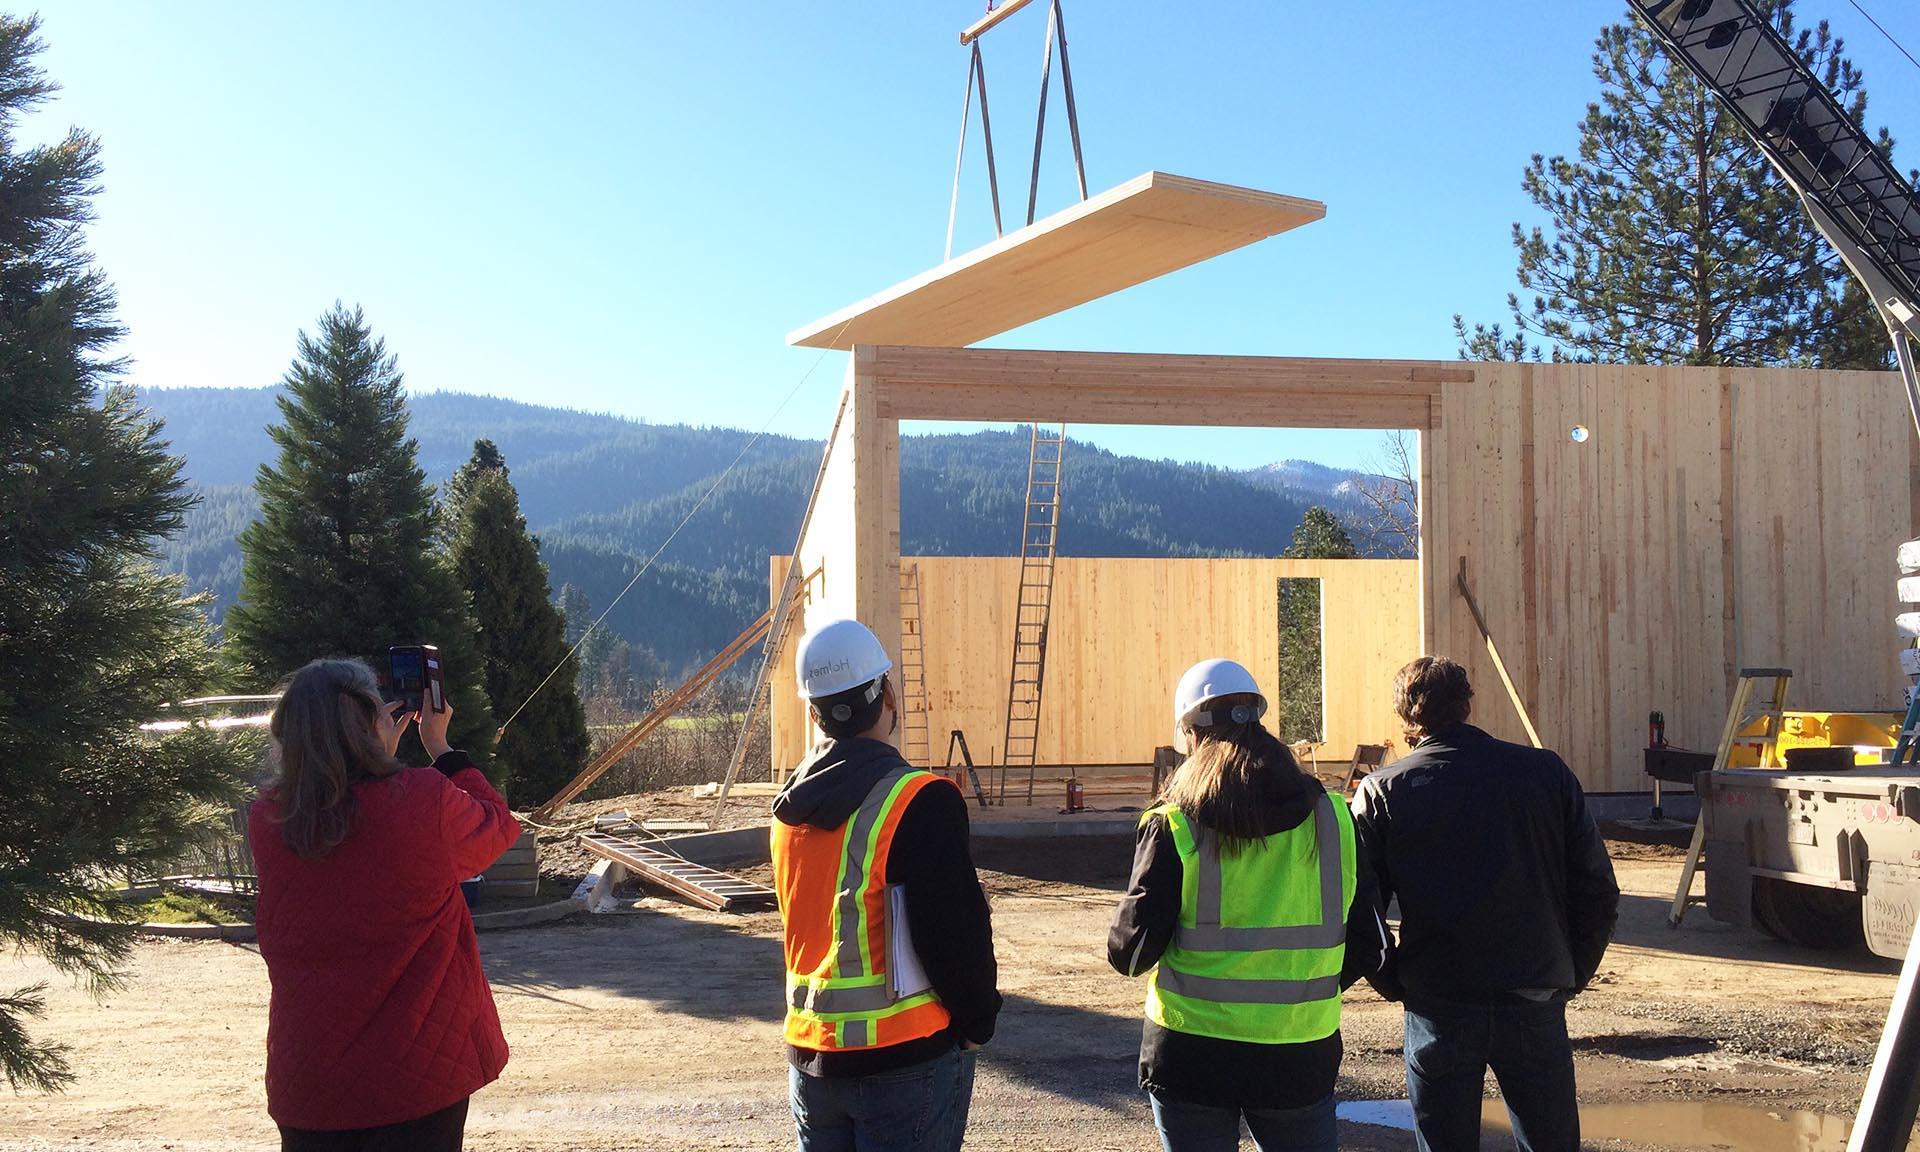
<point>921,1106</point>
<point>1188,1127</point>
<point>1449,1050</point>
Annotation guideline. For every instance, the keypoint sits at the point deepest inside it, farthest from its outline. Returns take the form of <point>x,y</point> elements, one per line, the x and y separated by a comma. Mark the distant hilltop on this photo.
<point>601,492</point>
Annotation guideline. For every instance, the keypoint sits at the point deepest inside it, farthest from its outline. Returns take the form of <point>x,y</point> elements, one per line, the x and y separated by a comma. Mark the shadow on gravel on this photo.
<point>1093,861</point>
<point>1644,1045</point>
<point>1643,924</point>
<point>1075,1053</point>
<point>715,971</point>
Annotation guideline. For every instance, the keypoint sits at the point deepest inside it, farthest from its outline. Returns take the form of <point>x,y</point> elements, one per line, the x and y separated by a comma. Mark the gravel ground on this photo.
<point>658,1028</point>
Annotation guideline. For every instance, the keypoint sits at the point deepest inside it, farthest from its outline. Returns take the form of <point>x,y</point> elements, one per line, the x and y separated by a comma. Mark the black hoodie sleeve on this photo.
<point>1370,819</point>
<point>1593,896</point>
<point>1369,944</point>
<point>946,909</point>
<point>1144,923</point>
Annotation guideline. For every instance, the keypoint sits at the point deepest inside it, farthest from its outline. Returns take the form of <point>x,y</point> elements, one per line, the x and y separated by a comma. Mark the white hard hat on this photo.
<point>836,656</point>
<point>1206,682</point>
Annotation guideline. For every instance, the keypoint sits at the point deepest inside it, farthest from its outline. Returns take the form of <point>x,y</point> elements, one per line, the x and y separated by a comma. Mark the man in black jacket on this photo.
<point>1507,901</point>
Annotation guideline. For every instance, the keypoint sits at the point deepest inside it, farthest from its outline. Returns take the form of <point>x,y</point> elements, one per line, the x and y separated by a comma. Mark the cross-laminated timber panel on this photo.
<point>1147,227</point>
<point>1123,630</point>
<point>1713,518</point>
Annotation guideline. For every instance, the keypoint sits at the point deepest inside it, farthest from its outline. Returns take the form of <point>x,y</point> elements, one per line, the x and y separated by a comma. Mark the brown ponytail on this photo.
<point>1235,773</point>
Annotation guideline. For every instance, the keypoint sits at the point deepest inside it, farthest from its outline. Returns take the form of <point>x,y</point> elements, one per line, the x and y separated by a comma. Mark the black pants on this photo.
<point>442,1131</point>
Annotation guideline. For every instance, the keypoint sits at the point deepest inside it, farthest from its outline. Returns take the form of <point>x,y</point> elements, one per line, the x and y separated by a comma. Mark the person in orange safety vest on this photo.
<point>891,980</point>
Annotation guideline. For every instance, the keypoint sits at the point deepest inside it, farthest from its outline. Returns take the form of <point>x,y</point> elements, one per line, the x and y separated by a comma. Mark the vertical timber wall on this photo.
<point>1712,519</point>
<point>1122,632</point>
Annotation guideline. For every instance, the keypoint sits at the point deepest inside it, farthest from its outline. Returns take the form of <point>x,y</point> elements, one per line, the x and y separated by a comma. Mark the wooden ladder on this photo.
<point>915,744</point>
<point>1033,604</point>
<point>1768,745</point>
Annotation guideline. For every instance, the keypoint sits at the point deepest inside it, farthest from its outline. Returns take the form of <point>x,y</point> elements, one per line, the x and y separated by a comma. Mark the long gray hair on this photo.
<point>324,740</point>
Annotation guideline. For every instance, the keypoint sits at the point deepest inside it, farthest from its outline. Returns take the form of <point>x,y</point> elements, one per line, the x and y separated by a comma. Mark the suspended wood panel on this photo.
<point>1151,225</point>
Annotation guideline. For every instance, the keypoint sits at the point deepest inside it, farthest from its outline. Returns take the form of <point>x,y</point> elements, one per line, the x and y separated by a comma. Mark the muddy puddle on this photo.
<point>1702,1125</point>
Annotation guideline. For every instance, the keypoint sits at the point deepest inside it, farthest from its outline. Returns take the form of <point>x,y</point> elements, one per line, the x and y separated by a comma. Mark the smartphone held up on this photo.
<point>415,678</point>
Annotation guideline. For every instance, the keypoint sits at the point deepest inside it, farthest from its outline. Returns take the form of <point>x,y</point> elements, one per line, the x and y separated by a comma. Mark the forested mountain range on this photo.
<point>602,492</point>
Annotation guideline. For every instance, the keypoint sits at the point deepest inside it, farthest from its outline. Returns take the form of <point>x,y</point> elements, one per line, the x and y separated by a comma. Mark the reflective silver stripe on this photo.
<point>813,998</point>
<point>1206,896</point>
<point>1207,934</point>
<point>852,917</point>
<point>855,1034</point>
<point>1219,939</point>
<point>1248,991</point>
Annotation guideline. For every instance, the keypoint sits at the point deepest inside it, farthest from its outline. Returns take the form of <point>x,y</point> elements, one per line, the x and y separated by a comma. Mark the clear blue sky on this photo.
<point>624,207</point>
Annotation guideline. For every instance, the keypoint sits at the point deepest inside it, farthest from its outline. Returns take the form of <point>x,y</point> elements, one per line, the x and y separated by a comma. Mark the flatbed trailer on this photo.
<point>1817,859</point>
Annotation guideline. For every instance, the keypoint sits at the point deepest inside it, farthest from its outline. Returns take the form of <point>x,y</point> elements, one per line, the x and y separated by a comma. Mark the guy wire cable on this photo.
<point>1884,32</point>
<point>691,512</point>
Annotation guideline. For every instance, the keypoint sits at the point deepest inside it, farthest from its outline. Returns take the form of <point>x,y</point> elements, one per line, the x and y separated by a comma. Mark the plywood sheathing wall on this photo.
<point>1122,632</point>
<point>1714,518</point>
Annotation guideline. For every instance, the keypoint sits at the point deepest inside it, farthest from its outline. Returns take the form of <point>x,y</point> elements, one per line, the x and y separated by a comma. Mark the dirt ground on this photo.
<point>658,1028</point>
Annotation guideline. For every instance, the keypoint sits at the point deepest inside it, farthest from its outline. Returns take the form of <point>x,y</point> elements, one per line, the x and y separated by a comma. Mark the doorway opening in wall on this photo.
<point>1299,694</point>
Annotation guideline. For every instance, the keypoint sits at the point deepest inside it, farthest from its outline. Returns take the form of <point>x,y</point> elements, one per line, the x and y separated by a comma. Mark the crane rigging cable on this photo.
<point>1884,32</point>
<point>684,520</point>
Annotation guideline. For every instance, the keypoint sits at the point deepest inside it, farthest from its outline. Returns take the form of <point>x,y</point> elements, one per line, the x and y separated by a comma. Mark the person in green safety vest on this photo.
<point>1249,911</point>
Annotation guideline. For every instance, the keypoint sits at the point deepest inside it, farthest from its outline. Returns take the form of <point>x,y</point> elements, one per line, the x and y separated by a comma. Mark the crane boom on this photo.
<point>1867,210</point>
<point>1855,196</point>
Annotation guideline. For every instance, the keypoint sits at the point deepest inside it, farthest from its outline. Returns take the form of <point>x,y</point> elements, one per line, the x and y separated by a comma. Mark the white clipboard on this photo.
<point>905,976</point>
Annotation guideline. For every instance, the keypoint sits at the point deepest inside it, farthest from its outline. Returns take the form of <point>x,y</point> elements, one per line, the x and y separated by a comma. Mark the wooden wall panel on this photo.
<point>1122,632</point>
<point>851,550</point>
<point>1821,497</point>
<point>1713,518</point>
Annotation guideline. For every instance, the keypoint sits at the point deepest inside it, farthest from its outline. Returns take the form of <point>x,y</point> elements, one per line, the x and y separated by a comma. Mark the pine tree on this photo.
<point>453,498</point>
<point>522,637</point>
<point>342,561</point>
<point>1673,241</point>
<point>577,611</point>
<point>1319,536</point>
<point>93,640</point>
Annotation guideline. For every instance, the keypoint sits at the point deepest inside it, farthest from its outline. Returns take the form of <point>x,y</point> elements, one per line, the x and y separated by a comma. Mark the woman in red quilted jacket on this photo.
<point>381,1023</point>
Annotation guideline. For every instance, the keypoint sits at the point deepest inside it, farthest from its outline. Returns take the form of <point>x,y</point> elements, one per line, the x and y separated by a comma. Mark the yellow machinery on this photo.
<point>1870,734</point>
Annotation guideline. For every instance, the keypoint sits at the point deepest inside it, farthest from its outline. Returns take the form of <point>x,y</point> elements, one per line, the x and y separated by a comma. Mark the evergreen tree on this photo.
<point>1673,241</point>
<point>576,612</point>
<point>93,640</point>
<point>342,560</point>
<point>453,498</point>
<point>522,637</point>
<point>1320,536</point>
<point>1299,707</point>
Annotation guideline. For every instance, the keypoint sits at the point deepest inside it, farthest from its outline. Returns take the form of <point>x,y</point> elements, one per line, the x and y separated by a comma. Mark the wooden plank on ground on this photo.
<point>1151,225</point>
